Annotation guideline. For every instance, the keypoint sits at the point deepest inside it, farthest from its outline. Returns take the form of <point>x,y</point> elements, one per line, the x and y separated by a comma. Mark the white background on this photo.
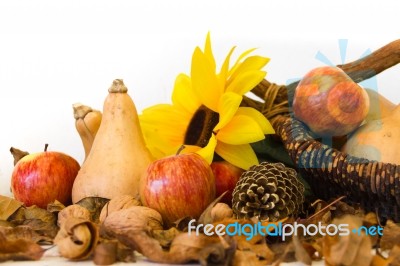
<point>56,53</point>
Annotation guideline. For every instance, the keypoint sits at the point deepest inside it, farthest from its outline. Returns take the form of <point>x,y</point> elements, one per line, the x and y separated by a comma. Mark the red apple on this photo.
<point>330,102</point>
<point>226,176</point>
<point>40,178</point>
<point>178,186</point>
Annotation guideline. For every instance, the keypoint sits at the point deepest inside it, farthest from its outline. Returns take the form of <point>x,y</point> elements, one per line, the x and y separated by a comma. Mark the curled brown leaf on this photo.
<point>77,239</point>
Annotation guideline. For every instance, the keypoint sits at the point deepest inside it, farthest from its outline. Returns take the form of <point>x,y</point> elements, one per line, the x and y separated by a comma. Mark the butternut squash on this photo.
<point>118,157</point>
<point>377,139</point>
<point>379,106</point>
<point>87,123</point>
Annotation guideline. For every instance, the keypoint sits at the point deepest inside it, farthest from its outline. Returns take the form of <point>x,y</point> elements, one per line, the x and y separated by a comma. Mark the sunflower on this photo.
<point>205,115</point>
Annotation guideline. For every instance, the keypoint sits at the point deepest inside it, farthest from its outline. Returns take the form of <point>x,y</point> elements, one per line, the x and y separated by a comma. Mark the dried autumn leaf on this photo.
<point>247,258</point>
<point>55,207</point>
<point>8,206</point>
<point>118,203</point>
<point>77,239</point>
<point>300,252</point>
<point>19,249</point>
<point>36,213</point>
<point>165,237</point>
<point>257,244</point>
<point>25,233</point>
<point>221,211</point>
<point>391,236</point>
<point>184,247</point>
<point>206,217</point>
<point>94,205</point>
<point>352,249</point>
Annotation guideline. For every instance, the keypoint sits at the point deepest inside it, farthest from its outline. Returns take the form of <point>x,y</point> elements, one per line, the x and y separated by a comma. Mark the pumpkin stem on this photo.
<point>46,146</point>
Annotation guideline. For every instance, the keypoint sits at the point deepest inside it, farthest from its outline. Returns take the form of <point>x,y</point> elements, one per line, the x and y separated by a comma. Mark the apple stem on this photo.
<point>181,148</point>
<point>45,146</point>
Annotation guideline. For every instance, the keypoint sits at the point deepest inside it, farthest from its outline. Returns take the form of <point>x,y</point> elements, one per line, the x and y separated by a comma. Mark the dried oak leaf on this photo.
<point>19,249</point>
<point>76,211</point>
<point>352,249</point>
<point>77,239</point>
<point>116,204</point>
<point>391,236</point>
<point>94,205</point>
<point>8,206</point>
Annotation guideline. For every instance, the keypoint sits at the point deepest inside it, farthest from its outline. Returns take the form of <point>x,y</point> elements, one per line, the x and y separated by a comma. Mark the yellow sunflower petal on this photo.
<point>238,61</point>
<point>208,151</point>
<point>225,66</point>
<point>240,130</point>
<point>204,81</point>
<point>208,52</point>
<point>183,94</point>
<point>227,107</point>
<point>249,64</point>
<point>242,156</point>
<point>246,81</point>
<point>262,121</point>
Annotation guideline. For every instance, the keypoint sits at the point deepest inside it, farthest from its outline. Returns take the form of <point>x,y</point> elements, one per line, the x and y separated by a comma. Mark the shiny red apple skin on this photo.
<point>178,186</point>
<point>40,178</point>
<point>226,176</point>
<point>329,102</point>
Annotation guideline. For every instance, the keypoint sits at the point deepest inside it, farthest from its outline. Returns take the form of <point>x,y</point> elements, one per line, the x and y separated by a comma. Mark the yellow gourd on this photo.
<point>87,123</point>
<point>379,106</point>
<point>118,157</point>
<point>377,139</point>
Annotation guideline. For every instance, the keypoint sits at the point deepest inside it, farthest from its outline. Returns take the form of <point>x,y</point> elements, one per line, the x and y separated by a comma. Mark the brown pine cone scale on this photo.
<point>268,191</point>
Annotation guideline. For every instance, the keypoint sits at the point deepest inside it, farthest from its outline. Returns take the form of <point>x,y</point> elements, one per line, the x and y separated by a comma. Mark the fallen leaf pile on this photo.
<point>111,231</point>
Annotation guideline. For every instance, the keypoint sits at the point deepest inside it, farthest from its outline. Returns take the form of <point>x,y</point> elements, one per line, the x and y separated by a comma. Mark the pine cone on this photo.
<point>268,191</point>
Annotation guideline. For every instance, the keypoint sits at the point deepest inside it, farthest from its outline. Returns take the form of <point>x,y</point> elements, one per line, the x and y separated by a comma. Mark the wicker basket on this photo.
<point>329,172</point>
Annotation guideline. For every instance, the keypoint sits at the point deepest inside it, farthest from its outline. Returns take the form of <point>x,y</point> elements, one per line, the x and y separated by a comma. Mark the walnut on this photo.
<point>221,211</point>
<point>75,211</point>
<point>116,204</point>
<point>133,219</point>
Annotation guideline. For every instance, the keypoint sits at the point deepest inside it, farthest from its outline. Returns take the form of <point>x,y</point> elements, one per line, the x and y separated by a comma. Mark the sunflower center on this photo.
<point>201,127</point>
